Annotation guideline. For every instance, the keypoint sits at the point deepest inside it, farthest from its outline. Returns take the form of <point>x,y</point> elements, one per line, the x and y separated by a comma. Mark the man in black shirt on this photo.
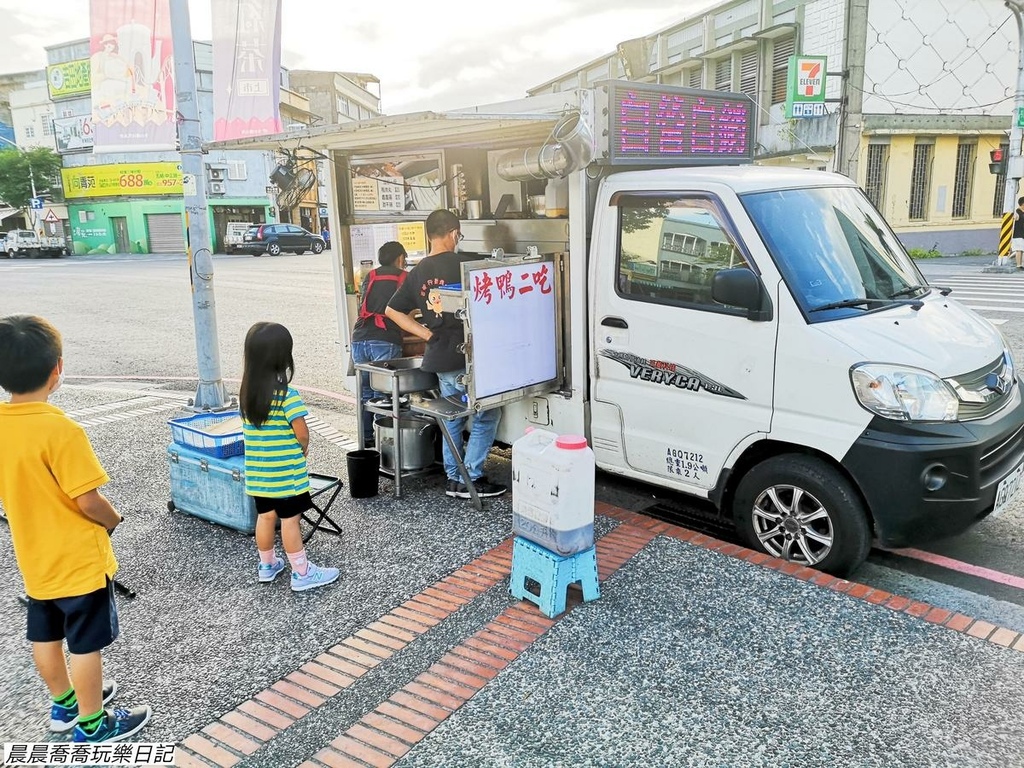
<point>375,337</point>
<point>443,334</point>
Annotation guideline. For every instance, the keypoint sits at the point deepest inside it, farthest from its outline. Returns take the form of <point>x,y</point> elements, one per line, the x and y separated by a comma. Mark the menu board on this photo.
<point>651,125</point>
<point>366,239</point>
<point>514,326</point>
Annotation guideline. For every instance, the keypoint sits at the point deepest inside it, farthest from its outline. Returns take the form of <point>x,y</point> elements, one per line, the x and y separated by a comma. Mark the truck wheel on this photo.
<point>800,509</point>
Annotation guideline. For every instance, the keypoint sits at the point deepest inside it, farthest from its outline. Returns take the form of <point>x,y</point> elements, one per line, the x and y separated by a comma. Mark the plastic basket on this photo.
<point>189,430</point>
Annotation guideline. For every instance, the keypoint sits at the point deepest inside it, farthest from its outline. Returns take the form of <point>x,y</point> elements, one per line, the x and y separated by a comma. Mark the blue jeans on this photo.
<point>481,434</point>
<point>372,352</point>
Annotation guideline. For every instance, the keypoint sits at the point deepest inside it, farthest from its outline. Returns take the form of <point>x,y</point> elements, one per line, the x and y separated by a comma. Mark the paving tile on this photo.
<point>393,727</point>
<point>409,717</point>
<point>254,728</point>
<point>326,673</point>
<point>418,704</point>
<point>388,641</point>
<point>286,705</point>
<point>266,715</point>
<point>229,737</point>
<point>293,691</point>
<point>312,683</point>
<point>353,748</point>
<point>378,740</point>
<point>342,665</point>
<point>215,753</point>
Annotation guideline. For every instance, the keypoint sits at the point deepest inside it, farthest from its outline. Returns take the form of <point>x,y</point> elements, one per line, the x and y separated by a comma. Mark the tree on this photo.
<point>16,180</point>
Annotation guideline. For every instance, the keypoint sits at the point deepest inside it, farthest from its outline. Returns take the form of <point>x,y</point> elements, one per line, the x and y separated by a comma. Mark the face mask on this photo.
<point>60,381</point>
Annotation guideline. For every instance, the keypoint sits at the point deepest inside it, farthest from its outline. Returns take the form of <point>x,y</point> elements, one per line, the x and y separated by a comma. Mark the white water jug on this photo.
<point>553,491</point>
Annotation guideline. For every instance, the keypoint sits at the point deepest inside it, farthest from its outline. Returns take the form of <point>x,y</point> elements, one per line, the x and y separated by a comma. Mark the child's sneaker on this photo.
<point>63,719</point>
<point>315,577</point>
<point>117,724</point>
<point>269,572</point>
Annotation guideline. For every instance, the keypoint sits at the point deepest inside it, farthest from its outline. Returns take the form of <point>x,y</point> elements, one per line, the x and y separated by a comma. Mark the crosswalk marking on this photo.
<point>990,295</point>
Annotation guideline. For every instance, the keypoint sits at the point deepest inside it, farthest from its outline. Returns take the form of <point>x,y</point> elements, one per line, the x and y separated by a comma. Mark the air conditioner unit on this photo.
<point>216,187</point>
<point>216,174</point>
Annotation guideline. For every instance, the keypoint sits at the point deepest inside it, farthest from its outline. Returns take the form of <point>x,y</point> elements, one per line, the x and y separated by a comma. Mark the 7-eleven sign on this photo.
<point>805,96</point>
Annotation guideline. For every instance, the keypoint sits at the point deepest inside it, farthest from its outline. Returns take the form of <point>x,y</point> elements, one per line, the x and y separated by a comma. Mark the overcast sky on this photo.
<point>428,54</point>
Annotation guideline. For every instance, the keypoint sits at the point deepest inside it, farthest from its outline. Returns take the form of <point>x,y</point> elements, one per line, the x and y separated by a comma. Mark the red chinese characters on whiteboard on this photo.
<point>508,285</point>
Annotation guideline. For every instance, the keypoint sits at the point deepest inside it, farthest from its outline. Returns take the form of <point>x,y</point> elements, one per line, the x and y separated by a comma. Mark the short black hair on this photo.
<point>29,350</point>
<point>441,222</point>
<point>1020,201</point>
<point>390,252</point>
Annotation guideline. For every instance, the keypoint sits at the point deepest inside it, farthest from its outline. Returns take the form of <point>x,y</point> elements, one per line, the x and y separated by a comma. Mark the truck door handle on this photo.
<point>614,322</point>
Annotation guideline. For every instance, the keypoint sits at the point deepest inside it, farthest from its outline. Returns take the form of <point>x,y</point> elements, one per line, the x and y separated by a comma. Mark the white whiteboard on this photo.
<point>514,328</point>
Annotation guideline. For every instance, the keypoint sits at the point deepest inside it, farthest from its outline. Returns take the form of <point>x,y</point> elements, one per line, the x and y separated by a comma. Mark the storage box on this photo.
<point>215,434</point>
<point>210,488</point>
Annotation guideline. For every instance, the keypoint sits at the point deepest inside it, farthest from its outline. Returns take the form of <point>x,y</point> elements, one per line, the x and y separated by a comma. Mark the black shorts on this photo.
<point>87,622</point>
<point>284,506</point>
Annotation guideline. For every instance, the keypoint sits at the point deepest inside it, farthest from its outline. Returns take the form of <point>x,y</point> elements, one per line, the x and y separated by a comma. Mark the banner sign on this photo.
<point>122,179</point>
<point>246,68</point>
<point>132,73</point>
<point>68,79</point>
<point>73,133</point>
<point>805,93</point>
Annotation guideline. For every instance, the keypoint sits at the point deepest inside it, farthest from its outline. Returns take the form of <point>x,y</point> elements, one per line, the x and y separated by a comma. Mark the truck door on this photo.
<point>680,380</point>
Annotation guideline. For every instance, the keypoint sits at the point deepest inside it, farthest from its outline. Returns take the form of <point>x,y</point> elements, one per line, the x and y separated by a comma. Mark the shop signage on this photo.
<point>68,79</point>
<point>73,133</point>
<point>122,179</point>
<point>805,92</point>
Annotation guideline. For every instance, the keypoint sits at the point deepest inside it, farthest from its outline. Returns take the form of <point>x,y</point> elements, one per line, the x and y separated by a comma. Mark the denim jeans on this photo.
<point>371,352</point>
<point>481,433</point>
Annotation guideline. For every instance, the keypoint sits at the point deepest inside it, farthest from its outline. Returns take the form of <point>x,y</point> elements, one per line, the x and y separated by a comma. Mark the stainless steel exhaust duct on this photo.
<point>572,149</point>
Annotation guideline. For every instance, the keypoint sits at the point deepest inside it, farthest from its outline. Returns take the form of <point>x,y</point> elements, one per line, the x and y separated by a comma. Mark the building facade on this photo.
<point>917,93</point>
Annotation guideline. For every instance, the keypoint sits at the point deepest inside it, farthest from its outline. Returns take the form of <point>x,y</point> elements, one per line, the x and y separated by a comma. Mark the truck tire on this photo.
<point>800,509</point>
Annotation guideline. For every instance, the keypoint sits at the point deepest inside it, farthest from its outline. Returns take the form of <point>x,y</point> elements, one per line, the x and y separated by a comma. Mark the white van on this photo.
<point>753,336</point>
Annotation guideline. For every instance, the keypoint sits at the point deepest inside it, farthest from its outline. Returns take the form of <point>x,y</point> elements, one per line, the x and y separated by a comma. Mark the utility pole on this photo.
<point>855,51</point>
<point>210,395</point>
<point>1015,164</point>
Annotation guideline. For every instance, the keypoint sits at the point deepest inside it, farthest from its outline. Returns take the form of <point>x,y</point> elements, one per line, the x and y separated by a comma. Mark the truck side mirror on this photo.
<point>740,287</point>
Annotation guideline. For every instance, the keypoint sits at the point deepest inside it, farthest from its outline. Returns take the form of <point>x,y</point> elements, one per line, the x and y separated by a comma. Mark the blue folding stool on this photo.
<point>553,573</point>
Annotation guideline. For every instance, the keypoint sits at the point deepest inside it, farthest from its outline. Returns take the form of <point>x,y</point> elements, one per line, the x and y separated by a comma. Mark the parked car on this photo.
<point>274,238</point>
<point>3,243</point>
<point>234,234</point>
<point>25,242</point>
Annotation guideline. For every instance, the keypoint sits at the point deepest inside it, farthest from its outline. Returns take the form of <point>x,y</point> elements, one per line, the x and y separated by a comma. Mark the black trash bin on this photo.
<point>363,473</point>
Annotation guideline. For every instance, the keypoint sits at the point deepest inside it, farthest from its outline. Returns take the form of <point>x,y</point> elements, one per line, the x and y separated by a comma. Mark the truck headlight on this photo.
<point>904,394</point>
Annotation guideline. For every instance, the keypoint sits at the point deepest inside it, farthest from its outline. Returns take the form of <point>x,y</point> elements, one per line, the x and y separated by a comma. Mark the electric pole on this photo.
<point>210,395</point>
<point>1015,164</point>
<point>852,117</point>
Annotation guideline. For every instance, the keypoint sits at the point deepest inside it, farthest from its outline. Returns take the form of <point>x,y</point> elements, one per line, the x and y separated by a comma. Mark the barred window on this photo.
<point>748,74</point>
<point>963,182</point>
<point>696,77</point>
<point>780,67</point>
<point>997,201</point>
<point>723,74</point>
<point>920,182</point>
<point>878,165</point>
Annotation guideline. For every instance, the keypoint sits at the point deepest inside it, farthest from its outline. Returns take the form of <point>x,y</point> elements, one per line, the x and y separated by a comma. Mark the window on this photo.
<point>723,75</point>
<point>748,74</point>
<point>874,182</point>
<point>47,121</point>
<point>963,185</point>
<point>670,249</point>
<point>920,182</point>
<point>997,201</point>
<point>780,67</point>
<point>30,131</point>
<point>237,171</point>
<point>696,78</point>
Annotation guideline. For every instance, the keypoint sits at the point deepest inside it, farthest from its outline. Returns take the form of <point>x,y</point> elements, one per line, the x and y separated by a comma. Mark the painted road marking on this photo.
<point>970,569</point>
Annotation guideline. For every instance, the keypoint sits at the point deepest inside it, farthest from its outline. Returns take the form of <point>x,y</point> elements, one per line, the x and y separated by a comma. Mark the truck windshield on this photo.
<point>836,253</point>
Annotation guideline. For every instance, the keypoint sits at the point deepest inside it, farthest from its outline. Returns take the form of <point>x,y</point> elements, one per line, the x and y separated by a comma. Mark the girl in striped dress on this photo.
<point>276,441</point>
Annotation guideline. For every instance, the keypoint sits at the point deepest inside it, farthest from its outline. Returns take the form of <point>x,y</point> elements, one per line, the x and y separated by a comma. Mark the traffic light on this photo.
<point>998,164</point>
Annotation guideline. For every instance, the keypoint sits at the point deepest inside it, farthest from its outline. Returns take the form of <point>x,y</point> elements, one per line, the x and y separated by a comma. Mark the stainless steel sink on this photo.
<point>408,372</point>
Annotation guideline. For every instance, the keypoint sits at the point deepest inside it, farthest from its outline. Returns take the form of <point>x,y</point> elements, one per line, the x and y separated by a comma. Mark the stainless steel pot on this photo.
<point>407,370</point>
<point>417,436</point>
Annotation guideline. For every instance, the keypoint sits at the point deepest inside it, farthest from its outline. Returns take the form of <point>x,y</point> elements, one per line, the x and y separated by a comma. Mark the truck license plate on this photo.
<point>1008,487</point>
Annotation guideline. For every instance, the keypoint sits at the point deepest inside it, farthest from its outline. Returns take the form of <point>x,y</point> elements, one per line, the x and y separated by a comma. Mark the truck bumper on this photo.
<point>929,481</point>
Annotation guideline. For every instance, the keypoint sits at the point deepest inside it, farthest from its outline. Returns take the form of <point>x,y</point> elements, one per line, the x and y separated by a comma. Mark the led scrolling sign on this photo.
<point>665,125</point>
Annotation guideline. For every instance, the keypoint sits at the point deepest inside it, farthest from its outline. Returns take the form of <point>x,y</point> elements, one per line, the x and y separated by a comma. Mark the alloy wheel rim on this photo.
<point>793,524</point>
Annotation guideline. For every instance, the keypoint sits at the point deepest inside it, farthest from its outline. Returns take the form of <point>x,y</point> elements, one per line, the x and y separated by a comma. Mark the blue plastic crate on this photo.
<point>190,431</point>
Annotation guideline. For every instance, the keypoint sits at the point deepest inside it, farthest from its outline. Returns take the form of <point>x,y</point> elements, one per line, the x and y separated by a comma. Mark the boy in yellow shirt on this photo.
<point>60,525</point>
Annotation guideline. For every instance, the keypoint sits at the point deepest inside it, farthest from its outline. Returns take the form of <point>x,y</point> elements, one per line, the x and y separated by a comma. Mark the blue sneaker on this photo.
<point>116,725</point>
<point>63,719</point>
<point>315,577</point>
<point>270,572</point>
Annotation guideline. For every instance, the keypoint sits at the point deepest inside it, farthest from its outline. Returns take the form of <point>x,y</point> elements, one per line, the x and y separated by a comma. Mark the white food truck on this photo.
<point>753,336</point>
